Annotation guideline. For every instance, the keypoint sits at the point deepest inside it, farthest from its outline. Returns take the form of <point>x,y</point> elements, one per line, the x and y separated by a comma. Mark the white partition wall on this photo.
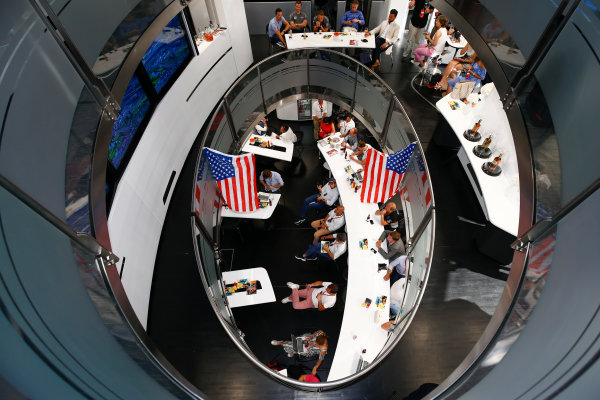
<point>138,210</point>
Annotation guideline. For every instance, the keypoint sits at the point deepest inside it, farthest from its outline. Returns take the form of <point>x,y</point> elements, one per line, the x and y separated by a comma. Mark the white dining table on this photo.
<point>329,40</point>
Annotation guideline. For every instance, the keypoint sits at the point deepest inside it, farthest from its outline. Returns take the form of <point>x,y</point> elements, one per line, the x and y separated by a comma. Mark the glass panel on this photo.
<point>400,132</point>
<point>167,53</point>
<point>121,41</point>
<point>332,74</point>
<point>134,107</point>
<point>245,102</point>
<point>416,192</point>
<point>219,136</point>
<point>279,72</point>
<point>372,99</point>
<point>78,163</point>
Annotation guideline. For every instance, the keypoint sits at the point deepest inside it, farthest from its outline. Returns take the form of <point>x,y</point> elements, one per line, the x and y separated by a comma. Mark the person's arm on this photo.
<point>320,302</point>
<point>345,20</point>
<point>303,24</point>
<point>315,283</point>
<point>387,275</point>
<point>436,37</point>
<point>329,253</point>
<point>411,4</point>
<point>361,162</point>
<point>395,33</point>
<point>314,370</point>
<point>361,19</point>
<point>263,183</point>
<point>383,221</point>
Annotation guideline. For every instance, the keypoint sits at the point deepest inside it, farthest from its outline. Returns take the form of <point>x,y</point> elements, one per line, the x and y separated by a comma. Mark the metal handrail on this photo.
<point>84,240</point>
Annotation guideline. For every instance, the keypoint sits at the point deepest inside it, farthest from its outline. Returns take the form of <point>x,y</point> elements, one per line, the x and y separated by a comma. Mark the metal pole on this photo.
<point>262,93</point>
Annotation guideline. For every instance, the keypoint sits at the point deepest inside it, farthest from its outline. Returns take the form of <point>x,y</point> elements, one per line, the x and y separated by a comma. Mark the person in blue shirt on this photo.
<point>353,18</point>
<point>271,180</point>
<point>275,31</point>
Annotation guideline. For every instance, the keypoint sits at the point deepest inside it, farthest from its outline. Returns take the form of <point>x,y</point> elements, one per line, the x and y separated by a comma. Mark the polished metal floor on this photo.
<point>463,288</point>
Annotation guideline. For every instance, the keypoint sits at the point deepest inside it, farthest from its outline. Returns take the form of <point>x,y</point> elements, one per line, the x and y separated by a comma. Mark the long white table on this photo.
<point>329,40</point>
<point>261,213</point>
<point>499,195</point>
<point>361,327</point>
<point>286,155</point>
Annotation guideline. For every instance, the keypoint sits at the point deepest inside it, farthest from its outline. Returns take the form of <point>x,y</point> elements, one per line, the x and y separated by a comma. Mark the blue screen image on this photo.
<point>166,54</point>
<point>134,106</point>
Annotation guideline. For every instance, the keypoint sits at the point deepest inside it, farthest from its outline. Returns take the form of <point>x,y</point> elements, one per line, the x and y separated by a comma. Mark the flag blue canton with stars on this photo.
<point>221,165</point>
<point>398,162</point>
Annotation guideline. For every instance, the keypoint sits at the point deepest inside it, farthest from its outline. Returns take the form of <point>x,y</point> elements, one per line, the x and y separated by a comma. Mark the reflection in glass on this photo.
<point>134,106</point>
<point>166,54</point>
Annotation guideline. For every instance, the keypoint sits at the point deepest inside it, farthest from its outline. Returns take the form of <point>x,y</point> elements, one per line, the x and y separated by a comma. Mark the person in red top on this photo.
<point>327,128</point>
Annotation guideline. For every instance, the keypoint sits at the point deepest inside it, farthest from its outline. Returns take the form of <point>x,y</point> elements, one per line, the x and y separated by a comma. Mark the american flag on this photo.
<point>236,179</point>
<point>424,180</point>
<point>383,174</point>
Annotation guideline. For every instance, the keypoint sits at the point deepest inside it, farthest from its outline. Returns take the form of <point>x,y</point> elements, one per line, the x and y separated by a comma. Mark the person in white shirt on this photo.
<point>322,298</point>
<point>319,111</point>
<point>331,223</point>
<point>347,124</point>
<point>329,250</point>
<point>271,180</point>
<point>327,195</point>
<point>286,134</point>
<point>388,34</point>
<point>261,127</point>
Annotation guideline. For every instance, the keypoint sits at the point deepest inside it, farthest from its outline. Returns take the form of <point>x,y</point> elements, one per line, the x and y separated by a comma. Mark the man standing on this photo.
<point>271,180</point>
<point>331,251</point>
<point>321,298</point>
<point>298,19</point>
<point>321,22</point>
<point>327,195</point>
<point>332,222</point>
<point>319,111</point>
<point>390,245</point>
<point>353,19</point>
<point>388,34</point>
<point>421,11</point>
<point>275,31</point>
<point>346,124</point>
<point>286,134</point>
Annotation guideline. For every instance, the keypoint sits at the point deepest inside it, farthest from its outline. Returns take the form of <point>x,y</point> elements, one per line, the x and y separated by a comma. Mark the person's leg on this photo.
<point>410,37</point>
<point>306,203</point>
<point>316,128</point>
<point>312,251</point>
<point>316,224</point>
<point>394,277</point>
<point>449,72</point>
<point>319,233</point>
<point>421,52</point>
<point>376,51</point>
<point>302,304</point>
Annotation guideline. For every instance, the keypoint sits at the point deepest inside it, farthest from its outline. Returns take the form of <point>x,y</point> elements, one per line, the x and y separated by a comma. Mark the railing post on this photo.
<point>262,93</point>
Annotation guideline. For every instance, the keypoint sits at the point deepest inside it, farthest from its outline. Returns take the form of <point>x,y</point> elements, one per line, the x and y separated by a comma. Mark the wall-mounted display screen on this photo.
<point>169,51</point>
<point>134,106</point>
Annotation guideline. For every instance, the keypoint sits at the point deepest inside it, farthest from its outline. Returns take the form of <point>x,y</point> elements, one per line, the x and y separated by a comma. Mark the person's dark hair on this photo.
<point>346,115</point>
<point>267,173</point>
<point>395,235</point>
<point>394,11</point>
<point>278,10</point>
<point>321,339</point>
<point>320,12</point>
<point>354,2</point>
<point>285,127</point>
<point>333,288</point>
<point>298,2</point>
<point>362,144</point>
<point>443,21</point>
<point>327,120</point>
<point>341,236</point>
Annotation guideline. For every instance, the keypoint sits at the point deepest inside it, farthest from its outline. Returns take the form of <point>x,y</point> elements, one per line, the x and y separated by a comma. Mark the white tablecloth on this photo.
<point>261,213</point>
<point>329,40</point>
<point>240,299</point>
<point>267,152</point>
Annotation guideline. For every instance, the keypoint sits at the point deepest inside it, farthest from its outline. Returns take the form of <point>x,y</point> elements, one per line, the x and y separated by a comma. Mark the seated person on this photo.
<point>360,155</point>
<point>467,56</point>
<point>389,215</point>
<point>388,34</point>
<point>261,127</point>
<point>396,270</point>
<point>327,195</point>
<point>321,298</point>
<point>330,251</point>
<point>298,20</point>
<point>327,128</point>
<point>286,134</point>
<point>353,19</point>
<point>271,180</point>
<point>390,245</point>
<point>321,22</point>
<point>435,46</point>
<point>474,73</point>
<point>351,140</point>
<point>296,371</point>
<point>316,345</point>
<point>275,30</point>
<point>333,221</point>
<point>346,124</point>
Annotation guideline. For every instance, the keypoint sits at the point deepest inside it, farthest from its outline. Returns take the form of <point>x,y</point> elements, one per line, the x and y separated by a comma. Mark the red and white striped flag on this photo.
<point>236,179</point>
<point>383,174</point>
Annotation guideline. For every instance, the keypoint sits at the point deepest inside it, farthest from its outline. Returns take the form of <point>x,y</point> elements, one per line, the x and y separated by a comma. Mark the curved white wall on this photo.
<point>137,214</point>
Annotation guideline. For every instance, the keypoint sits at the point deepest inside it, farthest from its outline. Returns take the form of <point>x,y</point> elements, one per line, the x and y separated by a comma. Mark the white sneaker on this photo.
<point>285,300</point>
<point>293,285</point>
<point>275,342</point>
